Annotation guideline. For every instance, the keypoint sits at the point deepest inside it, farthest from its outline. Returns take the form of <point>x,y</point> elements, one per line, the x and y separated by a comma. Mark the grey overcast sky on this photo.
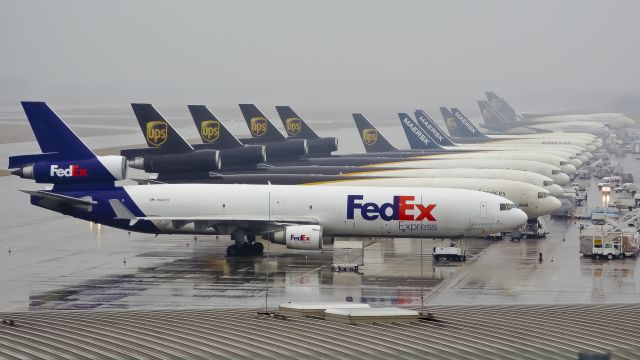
<point>346,54</point>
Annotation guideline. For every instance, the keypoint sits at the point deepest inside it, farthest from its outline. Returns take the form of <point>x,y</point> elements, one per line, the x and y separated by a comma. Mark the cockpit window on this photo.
<point>504,206</point>
<point>562,163</point>
<point>555,172</point>
<point>547,183</point>
<point>542,195</point>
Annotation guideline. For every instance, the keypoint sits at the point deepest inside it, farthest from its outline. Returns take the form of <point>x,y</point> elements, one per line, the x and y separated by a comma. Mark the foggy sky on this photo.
<point>541,55</point>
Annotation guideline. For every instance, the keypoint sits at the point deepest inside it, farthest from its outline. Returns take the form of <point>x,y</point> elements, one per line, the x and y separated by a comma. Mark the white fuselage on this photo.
<point>538,167</point>
<point>542,181</point>
<point>533,200</point>
<point>423,212</point>
<point>554,160</point>
<point>612,120</point>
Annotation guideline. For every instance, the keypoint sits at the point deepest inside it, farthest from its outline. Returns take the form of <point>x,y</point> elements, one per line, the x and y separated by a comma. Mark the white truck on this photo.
<point>451,252</point>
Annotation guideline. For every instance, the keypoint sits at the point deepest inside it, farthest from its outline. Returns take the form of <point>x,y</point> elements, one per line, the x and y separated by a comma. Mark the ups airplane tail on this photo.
<point>459,125</point>
<point>261,128</point>
<point>212,131</point>
<point>294,125</point>
<point>416,136</point>
<point>371,138</point>
<point>157,131</point>
<point>433,131</point>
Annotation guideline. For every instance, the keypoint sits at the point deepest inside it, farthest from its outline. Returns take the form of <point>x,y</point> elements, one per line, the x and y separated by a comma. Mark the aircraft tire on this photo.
<point>257,248</point>
<point>232,251</point>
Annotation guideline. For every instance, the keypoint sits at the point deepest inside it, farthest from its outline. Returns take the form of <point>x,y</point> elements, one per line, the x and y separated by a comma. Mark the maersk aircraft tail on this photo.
<point>212,131</point>
<point>459,125</point>
<point>416,134</point>
<point>430,126</point>
<point>371,138</point>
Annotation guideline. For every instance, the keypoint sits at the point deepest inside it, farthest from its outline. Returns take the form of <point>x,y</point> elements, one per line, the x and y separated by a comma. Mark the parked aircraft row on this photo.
<point>467,185</point>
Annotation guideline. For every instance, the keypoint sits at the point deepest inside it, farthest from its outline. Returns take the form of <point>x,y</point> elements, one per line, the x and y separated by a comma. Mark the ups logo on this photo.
<point>293,126</point>
<point>210,130</point>
<point>156,133</point>
<point>258,126</point>
<point>487,114</point>
<point>451,123</point>
<point>369,136</point>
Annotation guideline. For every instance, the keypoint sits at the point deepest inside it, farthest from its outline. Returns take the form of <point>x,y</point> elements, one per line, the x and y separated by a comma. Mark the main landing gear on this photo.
<point>245,245</point>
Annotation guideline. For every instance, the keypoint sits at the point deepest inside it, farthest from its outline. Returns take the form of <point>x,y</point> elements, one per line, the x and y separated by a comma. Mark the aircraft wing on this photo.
<point>53,199</point>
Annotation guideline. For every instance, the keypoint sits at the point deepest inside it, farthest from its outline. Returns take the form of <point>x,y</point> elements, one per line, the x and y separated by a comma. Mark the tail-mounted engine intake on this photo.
<point>300,237</point>
<point>196,161</point>
<point>44,168</point>
<point>323,146</point>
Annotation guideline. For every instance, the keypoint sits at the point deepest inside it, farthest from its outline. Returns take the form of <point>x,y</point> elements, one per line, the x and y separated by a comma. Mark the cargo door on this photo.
<point>483,209</point>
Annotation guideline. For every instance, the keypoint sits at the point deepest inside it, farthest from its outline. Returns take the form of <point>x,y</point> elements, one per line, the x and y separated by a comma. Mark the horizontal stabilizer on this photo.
<point>84,203</point>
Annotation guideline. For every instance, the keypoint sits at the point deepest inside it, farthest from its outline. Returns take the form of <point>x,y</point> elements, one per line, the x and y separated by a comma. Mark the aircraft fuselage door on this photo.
<point>483,209</point>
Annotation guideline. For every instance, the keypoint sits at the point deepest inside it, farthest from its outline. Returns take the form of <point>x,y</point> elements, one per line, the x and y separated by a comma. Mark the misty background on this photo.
<point>353,55</point>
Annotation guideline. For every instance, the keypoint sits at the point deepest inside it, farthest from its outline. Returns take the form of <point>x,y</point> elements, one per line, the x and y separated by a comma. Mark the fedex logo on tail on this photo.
<point>403,208</point>
<point>71,171</point>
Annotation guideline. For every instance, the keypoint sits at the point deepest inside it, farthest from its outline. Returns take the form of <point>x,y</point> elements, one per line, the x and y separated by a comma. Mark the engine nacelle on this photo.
<point>246,155</point>
<point>300,237</point>
<point>196,161</point>
<point>101,169</point>
<point>287,149</point>
<point>323,146</point>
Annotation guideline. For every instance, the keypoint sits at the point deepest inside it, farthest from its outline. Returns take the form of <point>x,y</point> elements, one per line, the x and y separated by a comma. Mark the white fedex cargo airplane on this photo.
<point>533,200</point>
<point>297,216</point>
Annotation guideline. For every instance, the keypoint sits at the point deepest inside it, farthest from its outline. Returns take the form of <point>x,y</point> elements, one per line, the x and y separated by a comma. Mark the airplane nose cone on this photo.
<point>561,179</point>
<point>555,189</point>
<point>591,148</point>
<point>576,162</point>
<point>568,169</point>
<point>516,218</point>
<point>588,155</point>
<point>554,204</point>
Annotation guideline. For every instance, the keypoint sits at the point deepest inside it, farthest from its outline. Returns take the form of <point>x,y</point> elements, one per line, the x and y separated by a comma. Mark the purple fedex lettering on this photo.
<point>401,209</point>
